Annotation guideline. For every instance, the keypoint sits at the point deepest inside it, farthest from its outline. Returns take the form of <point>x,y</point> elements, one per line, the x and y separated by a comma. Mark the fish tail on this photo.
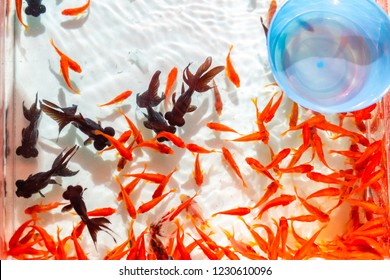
<point>59,165</point>
<point>200,80</point>
<point>53,111</point>
<point>97,224</point>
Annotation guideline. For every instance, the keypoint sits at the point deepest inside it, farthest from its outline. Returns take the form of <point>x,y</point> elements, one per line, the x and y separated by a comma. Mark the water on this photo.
<point>120,45</point>
<point>326,60</point>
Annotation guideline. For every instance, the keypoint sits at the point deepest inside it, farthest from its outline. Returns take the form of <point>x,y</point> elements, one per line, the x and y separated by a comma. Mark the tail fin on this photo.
<point>150,97</point>
<point>62,118</point>
<point>199,81</point>
<point>59,165</point>
<point>96,224</point>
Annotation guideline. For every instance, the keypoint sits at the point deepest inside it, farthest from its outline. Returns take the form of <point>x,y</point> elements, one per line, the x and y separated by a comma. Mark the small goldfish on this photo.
<point>119,98</point>
<point>65,64</point>
<point>76,11</point>
<point>230,71</point>
<point>170,86</point>
<point>218,105</point>
<point>30,134</point>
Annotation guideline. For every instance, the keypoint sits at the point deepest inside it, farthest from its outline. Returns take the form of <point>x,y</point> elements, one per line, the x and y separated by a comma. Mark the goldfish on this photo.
<point>232,163</point>
<point>198,172</point>
<point>271,11</point>
<point>321,216</point>
<point>282,200</point>
<point>122,150</point>
<point>193,209</point>
<point>271,189</point>
<point>239,211</point>
<point>149,98</point>
<point>265,28</point>
<point>162,148</point>
<point>127,200</point>
<point>258,239</point>
<point>152,203</point>
<point>65,64</point>
<point>38,208</point>
<point>241,247</point>
<point>230,71</point>
<point>220,127</point>
<point>325,192</point>
<point>18,5</point>
<point>158,248</point>
<point>196,82</point>
<point>170,85</point>
<point>34,7</point>
<point>293,115</point>
<point>255,136</point>
<point>218,105</point>
<point>76,11</point>
<point>105,211</point>
<point>75,195</point>
<point>195,148</point>
<point>180,247</point>
<point>30,133</point>
<point>306,247</point>
<point>37,182</point>
<point>152,177</point>
<point>66,115</point>
<point>160,188</point>
<point>119,98</point>
<point>156,122</point>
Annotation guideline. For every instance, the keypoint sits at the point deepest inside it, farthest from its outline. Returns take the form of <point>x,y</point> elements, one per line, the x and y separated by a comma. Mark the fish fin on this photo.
<point>67,208</point>
<point>96,224</point>
<point>65,172</point>
<point>191,108</point>
<point>202,85</point>
<point>88,141</point>
<point>41,194</point>
<point>59,164</point>
<point>60,117</point>
<point>199,81</point>
<point>54,182</point>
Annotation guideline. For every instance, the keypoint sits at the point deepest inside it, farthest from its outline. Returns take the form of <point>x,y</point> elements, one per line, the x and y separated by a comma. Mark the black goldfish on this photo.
<point>199,83</point>
<point>149,98</point>
<point>34,8</point>
<point>155,243</point>
<point>30,133</point>
<point>37,182</point>
<point>66,115</point>
<point>157,123</point>
<point>75,195</point>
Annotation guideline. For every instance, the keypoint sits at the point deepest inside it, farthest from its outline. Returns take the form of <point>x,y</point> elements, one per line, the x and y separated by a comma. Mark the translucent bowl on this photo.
<point>331,56</point>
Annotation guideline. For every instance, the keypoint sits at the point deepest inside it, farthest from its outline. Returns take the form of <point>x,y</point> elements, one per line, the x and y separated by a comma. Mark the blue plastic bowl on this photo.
<point>331,56</point>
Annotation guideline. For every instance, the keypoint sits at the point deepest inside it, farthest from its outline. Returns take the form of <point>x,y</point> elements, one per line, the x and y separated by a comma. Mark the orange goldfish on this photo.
<point>119,98</point>
<point>230,160</point>
<point>18,4</point>
<point>76,11</point>
<point>65,64</point>
<point>198,172</point>
<point>230,71</point>
<point>218,105</point>
<point>170,85</point>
